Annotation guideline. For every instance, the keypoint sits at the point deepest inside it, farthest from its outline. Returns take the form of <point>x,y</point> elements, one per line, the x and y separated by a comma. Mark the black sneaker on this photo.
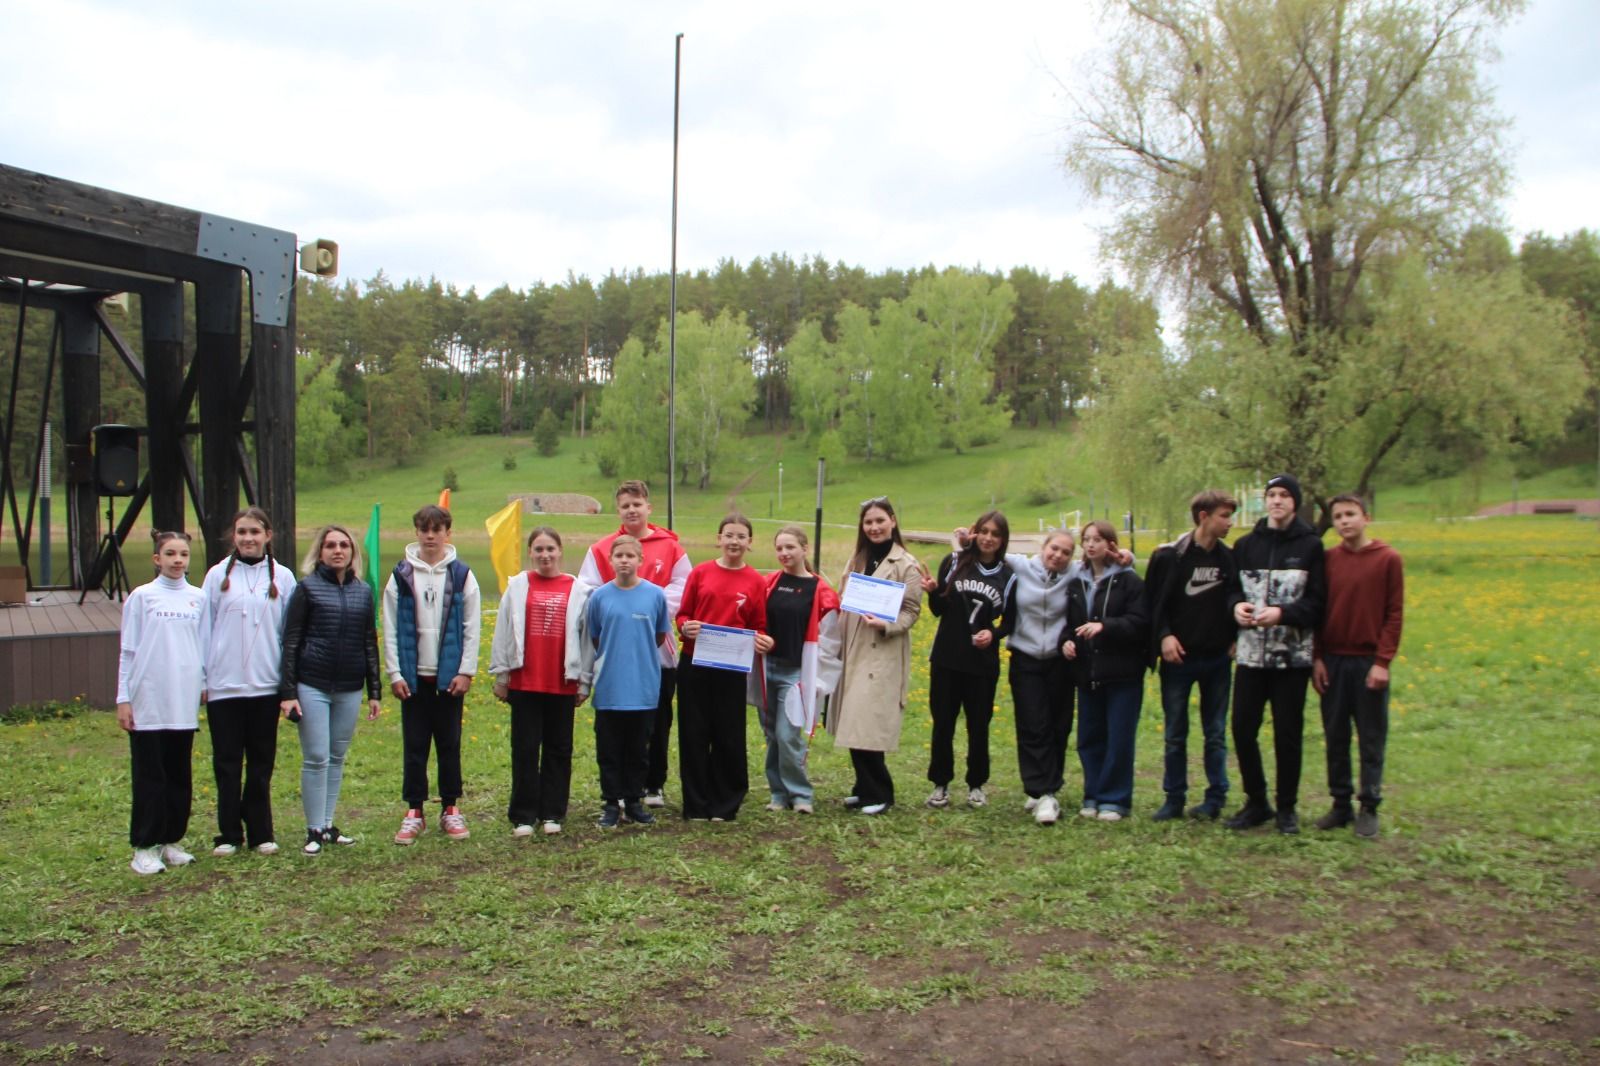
<point>1205,812</point>
<point>332,835</point>
<point>1252,814</point>
<point>1367,824</point>
<point>610,816</point>
<point>1288,821</point>
<point>1170,810</point>
<point>639,814</point>
<point>1338,816</point>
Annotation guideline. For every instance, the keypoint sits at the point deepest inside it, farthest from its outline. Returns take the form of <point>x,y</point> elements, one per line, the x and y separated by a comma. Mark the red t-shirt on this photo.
<point>544,648</point>
<point>724,597</point>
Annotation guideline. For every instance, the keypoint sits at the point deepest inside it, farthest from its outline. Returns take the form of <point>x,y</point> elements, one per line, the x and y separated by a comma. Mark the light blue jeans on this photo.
<point>327,723</point>
<point>786,742</point>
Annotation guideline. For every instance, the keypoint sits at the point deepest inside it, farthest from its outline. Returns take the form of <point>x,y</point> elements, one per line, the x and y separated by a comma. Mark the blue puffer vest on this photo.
<point>450,623</point>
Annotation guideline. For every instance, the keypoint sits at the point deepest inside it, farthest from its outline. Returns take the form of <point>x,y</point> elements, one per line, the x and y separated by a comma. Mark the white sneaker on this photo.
<point>173,855</point>
<point>776,806</point>
<point>938,798</point>
<point>1032,802</point>
<point>803,808</point>
<point>655,799</point>
<point>1047,810</point>
<point>222,851</point>
<point>267,847</point>
<point>1087,811</point>
<point>977,798</point>
<point>147,861</point>
<point>1109,815</point>
<point>875,808</point>
<point>523,830</point>
<point>552,828</point>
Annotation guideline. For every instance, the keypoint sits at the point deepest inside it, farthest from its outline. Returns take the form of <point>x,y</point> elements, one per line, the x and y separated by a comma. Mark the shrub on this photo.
<point>451,482</point>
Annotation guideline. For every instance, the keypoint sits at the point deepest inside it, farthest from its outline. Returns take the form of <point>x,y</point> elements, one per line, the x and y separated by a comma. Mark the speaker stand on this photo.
<point>108,560</point>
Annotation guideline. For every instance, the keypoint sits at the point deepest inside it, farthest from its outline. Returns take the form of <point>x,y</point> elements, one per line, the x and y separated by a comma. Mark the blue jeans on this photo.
<point>1214,675</point>
<point>327,723</point>
<point>1108,723</point>
<point>786,742</point>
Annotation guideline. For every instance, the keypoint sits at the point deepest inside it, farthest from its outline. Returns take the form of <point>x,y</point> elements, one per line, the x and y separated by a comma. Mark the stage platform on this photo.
<point>53,649</point>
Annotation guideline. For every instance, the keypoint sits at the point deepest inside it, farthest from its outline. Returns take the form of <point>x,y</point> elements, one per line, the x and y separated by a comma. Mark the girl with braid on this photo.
<point>246,594</point>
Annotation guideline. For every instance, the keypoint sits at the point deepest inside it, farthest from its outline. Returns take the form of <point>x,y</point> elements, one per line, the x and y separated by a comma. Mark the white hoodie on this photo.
<point>428,584</point>
<point>244,646</point>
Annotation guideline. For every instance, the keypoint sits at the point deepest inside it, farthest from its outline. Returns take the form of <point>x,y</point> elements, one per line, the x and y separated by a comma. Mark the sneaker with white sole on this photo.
<point>551,827</point>
<point>412,826</point>
<point>313,842</point>
<point>147,861</point>
<point>874,808</point>
<point>334,835</point>
<point>523,830</point>
<point>454,824</point>
<point>976,797</point>
<point>803,808</point>
<point>657,798</point>
<point>938,799</point>
<point>267,847</point>
<point>776,806</point>
<point>1047,810</point>
<point>222,851</point>
<point>1030,803</point>
<point>173,855</point>
<point>1088,810</point>
<point>1108,815</point>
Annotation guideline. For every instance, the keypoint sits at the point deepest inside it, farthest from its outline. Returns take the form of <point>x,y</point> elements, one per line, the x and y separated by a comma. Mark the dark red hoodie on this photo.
<point>1366,595</point>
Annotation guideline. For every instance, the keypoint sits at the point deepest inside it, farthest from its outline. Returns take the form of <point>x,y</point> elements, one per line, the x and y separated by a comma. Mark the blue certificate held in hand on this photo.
<point>873,596</point>
<point>725,648</point>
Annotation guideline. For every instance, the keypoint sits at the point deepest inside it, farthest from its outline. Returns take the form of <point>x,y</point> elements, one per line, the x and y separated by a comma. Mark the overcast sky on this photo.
<point>490,142</point>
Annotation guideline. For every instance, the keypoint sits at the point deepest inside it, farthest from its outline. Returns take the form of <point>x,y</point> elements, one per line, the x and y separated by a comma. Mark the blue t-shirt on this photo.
<point>629,625</point>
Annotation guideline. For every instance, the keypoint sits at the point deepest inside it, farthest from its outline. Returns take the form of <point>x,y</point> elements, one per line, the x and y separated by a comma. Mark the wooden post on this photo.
<point>274,360</point>
<point>162,316</point>
<point>80,401</point>
<point>217,304</point>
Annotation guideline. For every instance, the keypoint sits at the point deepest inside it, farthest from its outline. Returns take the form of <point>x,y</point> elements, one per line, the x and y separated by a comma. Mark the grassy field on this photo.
<point>1467,933</point>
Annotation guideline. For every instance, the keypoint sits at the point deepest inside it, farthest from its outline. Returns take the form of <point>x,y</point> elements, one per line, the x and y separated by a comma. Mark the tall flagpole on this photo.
<point>672,301</point>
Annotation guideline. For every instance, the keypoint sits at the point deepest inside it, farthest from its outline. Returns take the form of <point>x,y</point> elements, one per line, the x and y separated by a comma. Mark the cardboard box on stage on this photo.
<point>13,584</point>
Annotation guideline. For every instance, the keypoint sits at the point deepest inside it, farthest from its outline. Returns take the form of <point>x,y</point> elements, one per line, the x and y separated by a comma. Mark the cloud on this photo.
<point>503,142</point>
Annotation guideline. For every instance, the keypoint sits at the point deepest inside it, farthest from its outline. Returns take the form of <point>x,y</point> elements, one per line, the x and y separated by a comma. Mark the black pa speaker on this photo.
<point>116,460</point>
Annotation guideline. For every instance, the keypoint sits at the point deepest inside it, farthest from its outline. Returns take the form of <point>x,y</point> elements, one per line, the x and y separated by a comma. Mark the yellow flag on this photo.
<point>505,541</point>
<point>444,499</point>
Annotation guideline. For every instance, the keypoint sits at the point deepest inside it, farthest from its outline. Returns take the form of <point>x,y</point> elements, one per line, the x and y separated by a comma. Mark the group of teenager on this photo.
<point>1266,618</point>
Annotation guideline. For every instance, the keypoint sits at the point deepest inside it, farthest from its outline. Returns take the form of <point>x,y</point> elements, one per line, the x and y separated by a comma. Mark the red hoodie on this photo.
<point>1366,595</point>
<point>661,551</point>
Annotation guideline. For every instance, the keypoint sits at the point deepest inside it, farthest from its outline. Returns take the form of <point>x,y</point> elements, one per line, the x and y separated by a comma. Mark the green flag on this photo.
<point>374,574</point>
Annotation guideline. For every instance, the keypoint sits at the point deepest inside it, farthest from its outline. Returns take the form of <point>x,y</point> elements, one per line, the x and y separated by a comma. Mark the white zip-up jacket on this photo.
<point>511,638</point>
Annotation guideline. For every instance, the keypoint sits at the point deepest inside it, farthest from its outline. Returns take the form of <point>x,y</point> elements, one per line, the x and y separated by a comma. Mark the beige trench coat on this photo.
<point>870,700</point>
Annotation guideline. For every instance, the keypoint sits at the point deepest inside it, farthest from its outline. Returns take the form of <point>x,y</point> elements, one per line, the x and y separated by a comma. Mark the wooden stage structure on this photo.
<point>223,379</point>
<point>58,649</point>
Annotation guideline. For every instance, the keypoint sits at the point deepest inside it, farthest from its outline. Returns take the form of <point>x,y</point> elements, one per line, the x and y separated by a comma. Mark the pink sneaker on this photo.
<point>454,824</point>
<point>411,827</point>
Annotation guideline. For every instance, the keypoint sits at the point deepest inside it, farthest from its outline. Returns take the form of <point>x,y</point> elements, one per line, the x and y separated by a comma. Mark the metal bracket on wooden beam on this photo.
<point>268,254</point>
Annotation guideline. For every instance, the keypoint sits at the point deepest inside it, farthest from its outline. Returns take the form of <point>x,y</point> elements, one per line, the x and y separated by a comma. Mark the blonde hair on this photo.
<point>314,556</point>
<point>622,539</point>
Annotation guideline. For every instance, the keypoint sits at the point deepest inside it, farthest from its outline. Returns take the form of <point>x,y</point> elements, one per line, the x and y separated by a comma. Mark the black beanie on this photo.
<point>1287,481</point>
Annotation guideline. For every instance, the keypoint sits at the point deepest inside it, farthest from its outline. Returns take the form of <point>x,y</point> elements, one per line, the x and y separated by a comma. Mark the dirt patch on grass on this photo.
<point>1431,971</point>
